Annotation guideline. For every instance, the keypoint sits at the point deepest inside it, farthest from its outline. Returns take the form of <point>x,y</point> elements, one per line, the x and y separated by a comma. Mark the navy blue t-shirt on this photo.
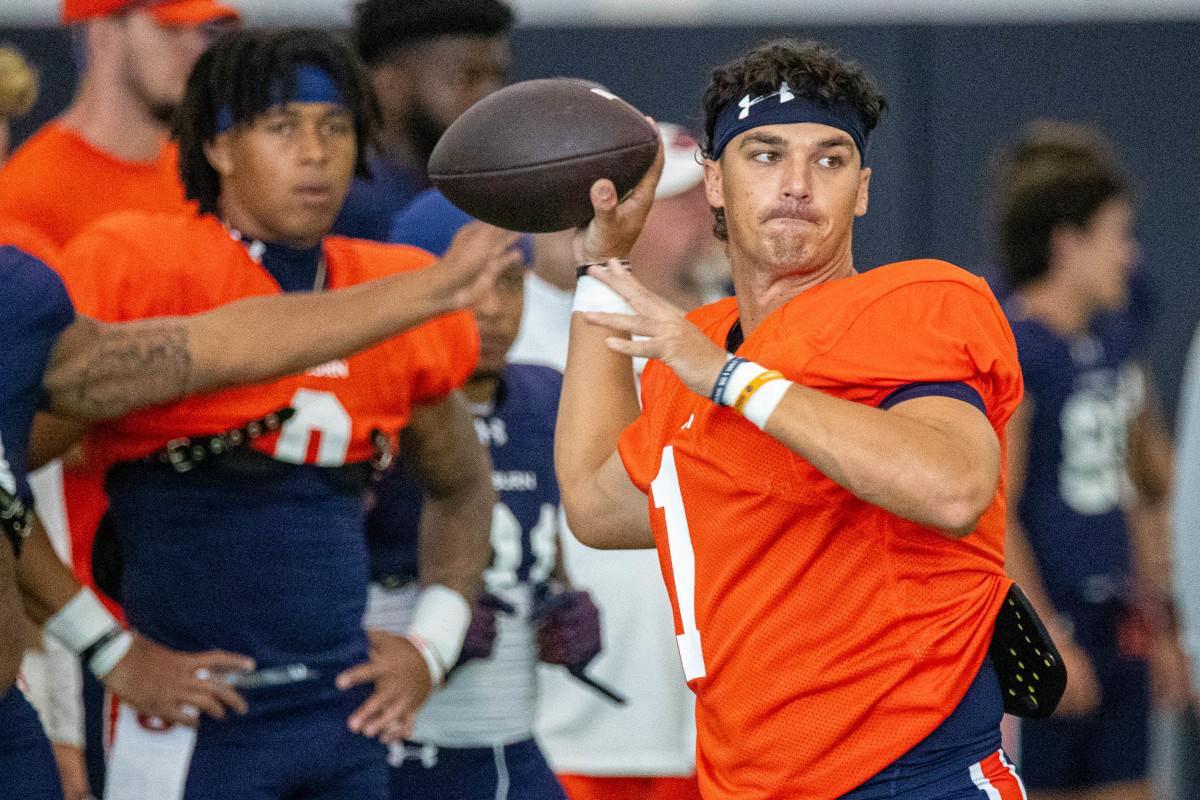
<point>519,431</point>
<point>373,204</point>
<point>1075,475</point>
<point>36,309</point>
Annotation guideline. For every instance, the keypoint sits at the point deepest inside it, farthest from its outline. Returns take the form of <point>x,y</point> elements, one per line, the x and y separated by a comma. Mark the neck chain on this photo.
<point>256,248</point>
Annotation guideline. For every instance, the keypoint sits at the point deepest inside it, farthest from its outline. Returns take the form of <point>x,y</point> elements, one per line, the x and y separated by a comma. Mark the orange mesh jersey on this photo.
<point>60,183</point>
<point>824,637</point>
<point>132,266</point>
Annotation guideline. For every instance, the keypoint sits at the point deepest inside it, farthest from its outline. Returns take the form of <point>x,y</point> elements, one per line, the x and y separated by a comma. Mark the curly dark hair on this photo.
<point>383,26</point>
<point>1056,173</point>
<point>238,73</point>
<point>812,70</point>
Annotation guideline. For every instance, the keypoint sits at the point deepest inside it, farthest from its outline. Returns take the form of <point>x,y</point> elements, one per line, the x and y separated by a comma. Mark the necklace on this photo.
<point>256,248</point>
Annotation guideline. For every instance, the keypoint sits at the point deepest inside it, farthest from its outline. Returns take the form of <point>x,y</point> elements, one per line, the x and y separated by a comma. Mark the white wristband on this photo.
<point>83,622</point>
<point>762,403</point>
<point>438,628</point>
<point>592,295</point>
<point>739,380</point>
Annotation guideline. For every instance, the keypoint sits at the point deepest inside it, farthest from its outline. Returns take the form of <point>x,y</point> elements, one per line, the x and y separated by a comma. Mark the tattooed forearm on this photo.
<point>99,371</point>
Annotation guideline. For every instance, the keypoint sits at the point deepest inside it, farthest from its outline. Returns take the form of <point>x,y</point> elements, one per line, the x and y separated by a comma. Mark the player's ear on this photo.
<point>713,183</point>
<point>864,185</point>
<point>218,154</point>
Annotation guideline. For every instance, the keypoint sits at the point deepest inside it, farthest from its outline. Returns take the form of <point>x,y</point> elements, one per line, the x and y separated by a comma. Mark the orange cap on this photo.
<point>166,12</point>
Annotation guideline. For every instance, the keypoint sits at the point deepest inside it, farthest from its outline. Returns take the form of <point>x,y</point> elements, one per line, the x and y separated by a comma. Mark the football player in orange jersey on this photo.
<point>77,366</point>
<point>822,455</point>
<point>272,131</point>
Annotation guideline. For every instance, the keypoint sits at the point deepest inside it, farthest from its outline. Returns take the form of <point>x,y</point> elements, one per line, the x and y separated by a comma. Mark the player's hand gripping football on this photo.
<point>478,254</point>
<point>672,339</point>
<point>617,222</point>
<point>177,687</point>
<point>402,685</point>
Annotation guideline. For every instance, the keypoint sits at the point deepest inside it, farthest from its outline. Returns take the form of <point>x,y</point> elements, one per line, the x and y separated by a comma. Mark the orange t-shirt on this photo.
<point>30,239</point>
<point>60,183</point>
<point>824,637</point>
<point>134,266</point>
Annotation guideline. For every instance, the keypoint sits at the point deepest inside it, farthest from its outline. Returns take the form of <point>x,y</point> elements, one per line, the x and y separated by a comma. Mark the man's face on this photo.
<point>790,194</point>
<point>288,172</point>
<point>1103,254</point>
<point>498,317</point>
<point>158,59</point>
<point>446,76</point>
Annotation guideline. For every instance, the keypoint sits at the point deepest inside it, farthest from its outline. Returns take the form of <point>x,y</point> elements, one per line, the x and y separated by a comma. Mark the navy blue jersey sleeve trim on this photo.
<point>956,390</point>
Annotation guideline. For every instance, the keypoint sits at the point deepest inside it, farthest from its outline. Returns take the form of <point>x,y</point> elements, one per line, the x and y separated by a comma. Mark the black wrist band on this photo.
<point>582,269</point>
<point>723,378</point>
<point>95,647</point>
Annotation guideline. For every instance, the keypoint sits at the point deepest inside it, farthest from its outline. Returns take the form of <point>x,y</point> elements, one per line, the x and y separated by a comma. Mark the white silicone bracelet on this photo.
<point>592,295</point>
<point>740,379</point>
<point>107,656</point>
<point>438,628</point>
<point>764,401</point>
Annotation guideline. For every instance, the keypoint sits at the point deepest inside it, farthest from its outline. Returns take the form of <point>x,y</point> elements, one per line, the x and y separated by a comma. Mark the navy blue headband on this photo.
<point>313,85</point>
<point>782,107</point>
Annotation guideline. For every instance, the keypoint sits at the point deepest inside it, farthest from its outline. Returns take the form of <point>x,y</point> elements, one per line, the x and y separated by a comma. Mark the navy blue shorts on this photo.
<point>517,771</point>
<point>960,760</point>
<point>27,767</point>
<point>303,752</point>
<point>1108,746</point>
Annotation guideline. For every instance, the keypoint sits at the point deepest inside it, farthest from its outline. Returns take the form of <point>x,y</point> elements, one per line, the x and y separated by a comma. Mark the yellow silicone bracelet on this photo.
<point>753,386</point>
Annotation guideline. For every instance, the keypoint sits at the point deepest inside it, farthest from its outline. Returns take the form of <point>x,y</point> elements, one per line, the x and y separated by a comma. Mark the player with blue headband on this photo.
<point>265,487</point>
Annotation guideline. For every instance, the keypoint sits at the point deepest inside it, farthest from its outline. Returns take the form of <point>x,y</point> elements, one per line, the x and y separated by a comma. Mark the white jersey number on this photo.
<point>507,550</point>
<point>667,495</point>
<point>320,414</point>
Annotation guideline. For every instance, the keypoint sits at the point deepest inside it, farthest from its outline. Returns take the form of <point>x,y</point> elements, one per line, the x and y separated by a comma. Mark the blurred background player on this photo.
<point>474,739</point>
<point>109,151</point>
<point>430,60</point>
<point>271,133</point>
<point>1084,439</point>
<point>18,91</point>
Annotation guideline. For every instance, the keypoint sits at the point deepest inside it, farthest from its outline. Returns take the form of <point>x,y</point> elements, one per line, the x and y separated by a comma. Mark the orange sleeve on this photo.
<point>640,445</point>
<point>109,277</point>
<point>928,331</point>
<point>441,354</point>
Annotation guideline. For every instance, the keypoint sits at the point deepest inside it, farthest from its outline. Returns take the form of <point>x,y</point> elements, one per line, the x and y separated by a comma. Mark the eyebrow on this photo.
<point>761,138</point>
<point>837,141</point>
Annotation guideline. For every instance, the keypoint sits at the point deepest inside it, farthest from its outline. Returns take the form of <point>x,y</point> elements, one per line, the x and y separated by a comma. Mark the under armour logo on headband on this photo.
<point>784,94</point>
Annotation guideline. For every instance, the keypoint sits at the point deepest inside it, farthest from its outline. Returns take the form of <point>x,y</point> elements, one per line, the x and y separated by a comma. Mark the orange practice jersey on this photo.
<point>60,183</point>
<point>29,239</point>
<point>824,637</point>
<point>133,266</point>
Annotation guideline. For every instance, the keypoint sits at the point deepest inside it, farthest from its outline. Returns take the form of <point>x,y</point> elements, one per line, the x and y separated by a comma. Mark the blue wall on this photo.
<point>957,93</point>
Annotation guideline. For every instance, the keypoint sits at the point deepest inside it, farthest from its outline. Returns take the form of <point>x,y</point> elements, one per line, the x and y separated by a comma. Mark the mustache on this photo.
<point>792,211</point>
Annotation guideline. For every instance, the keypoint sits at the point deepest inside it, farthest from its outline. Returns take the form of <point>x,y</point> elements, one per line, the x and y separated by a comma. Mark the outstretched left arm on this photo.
<point>933,460</point>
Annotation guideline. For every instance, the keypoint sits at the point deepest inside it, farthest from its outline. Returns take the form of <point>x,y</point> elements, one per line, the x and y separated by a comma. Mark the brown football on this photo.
<point>525,158</point>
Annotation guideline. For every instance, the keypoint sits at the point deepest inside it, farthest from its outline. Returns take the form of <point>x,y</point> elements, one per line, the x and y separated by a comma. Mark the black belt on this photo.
<point>183,454</point>
<point>16,518</point>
